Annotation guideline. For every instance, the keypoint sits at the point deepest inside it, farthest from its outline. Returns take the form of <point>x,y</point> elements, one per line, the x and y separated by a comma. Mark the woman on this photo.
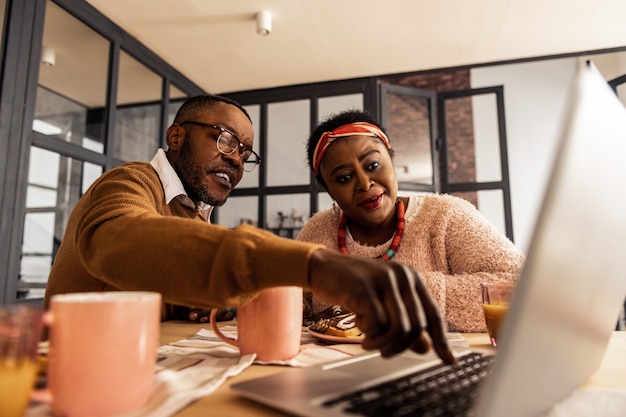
<point>444,238</point>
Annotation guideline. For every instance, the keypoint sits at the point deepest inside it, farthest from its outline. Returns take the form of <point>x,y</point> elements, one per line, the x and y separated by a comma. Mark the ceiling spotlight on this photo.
<point>263,23</point>
<point>48,56</point>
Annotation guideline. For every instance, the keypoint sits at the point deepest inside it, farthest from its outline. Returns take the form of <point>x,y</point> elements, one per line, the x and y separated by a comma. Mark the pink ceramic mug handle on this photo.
<point>217,331</point>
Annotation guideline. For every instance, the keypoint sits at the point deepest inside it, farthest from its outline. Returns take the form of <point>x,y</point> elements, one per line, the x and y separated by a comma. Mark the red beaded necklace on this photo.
<point>395,242</point>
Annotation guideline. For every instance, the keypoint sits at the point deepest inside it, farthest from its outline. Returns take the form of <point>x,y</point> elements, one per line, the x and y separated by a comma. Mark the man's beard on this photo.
<point>193,177</point>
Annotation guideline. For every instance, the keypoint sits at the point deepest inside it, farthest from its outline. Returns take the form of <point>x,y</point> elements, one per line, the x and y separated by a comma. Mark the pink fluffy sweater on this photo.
<point>451,245</point>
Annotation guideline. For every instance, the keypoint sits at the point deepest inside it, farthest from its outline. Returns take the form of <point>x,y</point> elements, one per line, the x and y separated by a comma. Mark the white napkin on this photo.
<point>456,340</point>
<point>186,378</point>
<point>180,379</point>
<point>207,341</point>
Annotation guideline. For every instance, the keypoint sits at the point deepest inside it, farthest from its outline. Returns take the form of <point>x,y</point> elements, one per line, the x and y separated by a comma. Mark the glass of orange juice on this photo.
<point>20,331</point>
<point>496,300</point>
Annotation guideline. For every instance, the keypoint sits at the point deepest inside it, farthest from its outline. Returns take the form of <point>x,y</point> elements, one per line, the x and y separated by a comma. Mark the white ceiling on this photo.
<point>215,44</point>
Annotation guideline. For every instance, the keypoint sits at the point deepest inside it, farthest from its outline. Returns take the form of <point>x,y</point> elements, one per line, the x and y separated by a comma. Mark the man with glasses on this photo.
<point>146,226</point>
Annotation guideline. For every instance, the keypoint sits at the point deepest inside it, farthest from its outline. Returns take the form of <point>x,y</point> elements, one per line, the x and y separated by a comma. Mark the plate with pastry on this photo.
<point>337,329</point>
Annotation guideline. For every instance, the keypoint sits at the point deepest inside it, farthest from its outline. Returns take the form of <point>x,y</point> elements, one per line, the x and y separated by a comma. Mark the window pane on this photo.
<point>490,203</point>
<point>286,213</point>
<point>177,98</point>
<point>38,196</point>
<point>55,183</point>
<point>486,138</point>
<point>91,172</point>
<point>327,106</point>
<point>177,94</point>
<point>408,126</point>
<point>37,247</point>
<point>251,179</point>
<point>239,210</point>
<point>473,139</point>
<point>138,117</point>
<point>288,129</point>
<point>43,169</point>
<point>324,201</point>
<point>72,92</point>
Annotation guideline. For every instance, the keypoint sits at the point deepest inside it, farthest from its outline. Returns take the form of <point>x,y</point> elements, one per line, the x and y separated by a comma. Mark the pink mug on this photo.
<point>269,326</point>
<point>102,353</point>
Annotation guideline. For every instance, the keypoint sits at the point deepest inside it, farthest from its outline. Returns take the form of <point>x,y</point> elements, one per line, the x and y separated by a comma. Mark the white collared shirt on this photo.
<point>173,187</point>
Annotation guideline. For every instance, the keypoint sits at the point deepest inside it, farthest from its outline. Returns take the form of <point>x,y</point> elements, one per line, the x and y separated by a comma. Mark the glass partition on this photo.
<point>138,117</point>
<point>327,106</point>
<point>407,113</point>
<point>177,98</point>
<point>176,93</point>
<point>286,213</point>
<point>288,127</point>
<point>324,201</point>
<point>251,179</point>
<point>74,114</point>
<point>490,203</point>
<point>487,138</point>
<point>473,139</point>
<point>55,183</point>
<point>239,210</point>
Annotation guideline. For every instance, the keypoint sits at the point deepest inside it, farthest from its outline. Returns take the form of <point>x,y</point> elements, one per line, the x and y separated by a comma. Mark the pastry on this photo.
<point>342,326</point>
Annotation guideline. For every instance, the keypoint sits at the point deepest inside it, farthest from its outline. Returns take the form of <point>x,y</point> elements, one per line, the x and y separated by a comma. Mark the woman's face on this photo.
<point>360,177</point>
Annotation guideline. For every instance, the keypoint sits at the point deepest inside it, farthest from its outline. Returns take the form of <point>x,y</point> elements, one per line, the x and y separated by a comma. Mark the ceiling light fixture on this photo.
<point>48,56</point>
<point>263,23</point>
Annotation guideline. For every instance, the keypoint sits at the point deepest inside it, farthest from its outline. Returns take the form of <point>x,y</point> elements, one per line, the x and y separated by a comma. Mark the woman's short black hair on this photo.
<point>333,122</point>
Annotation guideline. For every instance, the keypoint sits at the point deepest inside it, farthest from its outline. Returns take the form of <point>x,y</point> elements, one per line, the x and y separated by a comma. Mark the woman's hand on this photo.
<point>392,305</point>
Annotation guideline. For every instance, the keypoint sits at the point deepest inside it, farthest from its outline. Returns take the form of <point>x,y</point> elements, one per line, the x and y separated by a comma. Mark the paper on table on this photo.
<point>456,340</point>
<point>207,341</point>
<point>179,380</point>
<point>187,378</point>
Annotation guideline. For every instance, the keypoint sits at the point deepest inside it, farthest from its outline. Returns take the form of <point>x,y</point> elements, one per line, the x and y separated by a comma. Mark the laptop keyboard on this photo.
<point>445,390</point>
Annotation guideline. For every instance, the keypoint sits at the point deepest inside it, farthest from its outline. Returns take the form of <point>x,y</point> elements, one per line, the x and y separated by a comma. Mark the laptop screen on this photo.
<point>574,280</point>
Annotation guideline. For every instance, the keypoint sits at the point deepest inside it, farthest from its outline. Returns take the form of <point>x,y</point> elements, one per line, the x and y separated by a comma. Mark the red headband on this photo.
<point>357,128</point>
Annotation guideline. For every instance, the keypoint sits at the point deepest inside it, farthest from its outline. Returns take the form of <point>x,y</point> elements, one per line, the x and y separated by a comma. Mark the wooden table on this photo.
<point>611,375</point>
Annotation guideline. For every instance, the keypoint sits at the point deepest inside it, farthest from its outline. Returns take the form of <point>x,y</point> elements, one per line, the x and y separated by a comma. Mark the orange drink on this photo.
<point>20,331</point>
<point>494,316</point>
<point>16,382</point>
<point>496,300</point>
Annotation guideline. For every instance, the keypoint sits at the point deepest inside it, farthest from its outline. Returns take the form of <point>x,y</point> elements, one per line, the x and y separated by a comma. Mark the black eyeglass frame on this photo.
<point>240,146</point>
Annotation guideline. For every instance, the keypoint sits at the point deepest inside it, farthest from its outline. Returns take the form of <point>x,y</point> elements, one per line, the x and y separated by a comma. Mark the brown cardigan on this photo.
<point>123,236</point>
<point>451,245</point>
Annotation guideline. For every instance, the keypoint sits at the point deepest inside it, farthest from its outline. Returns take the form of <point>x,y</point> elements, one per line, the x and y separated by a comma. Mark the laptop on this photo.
<point>568,298</point>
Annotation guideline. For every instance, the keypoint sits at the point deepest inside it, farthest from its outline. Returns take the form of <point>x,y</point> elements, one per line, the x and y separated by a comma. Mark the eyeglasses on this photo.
<point>227,143</point>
